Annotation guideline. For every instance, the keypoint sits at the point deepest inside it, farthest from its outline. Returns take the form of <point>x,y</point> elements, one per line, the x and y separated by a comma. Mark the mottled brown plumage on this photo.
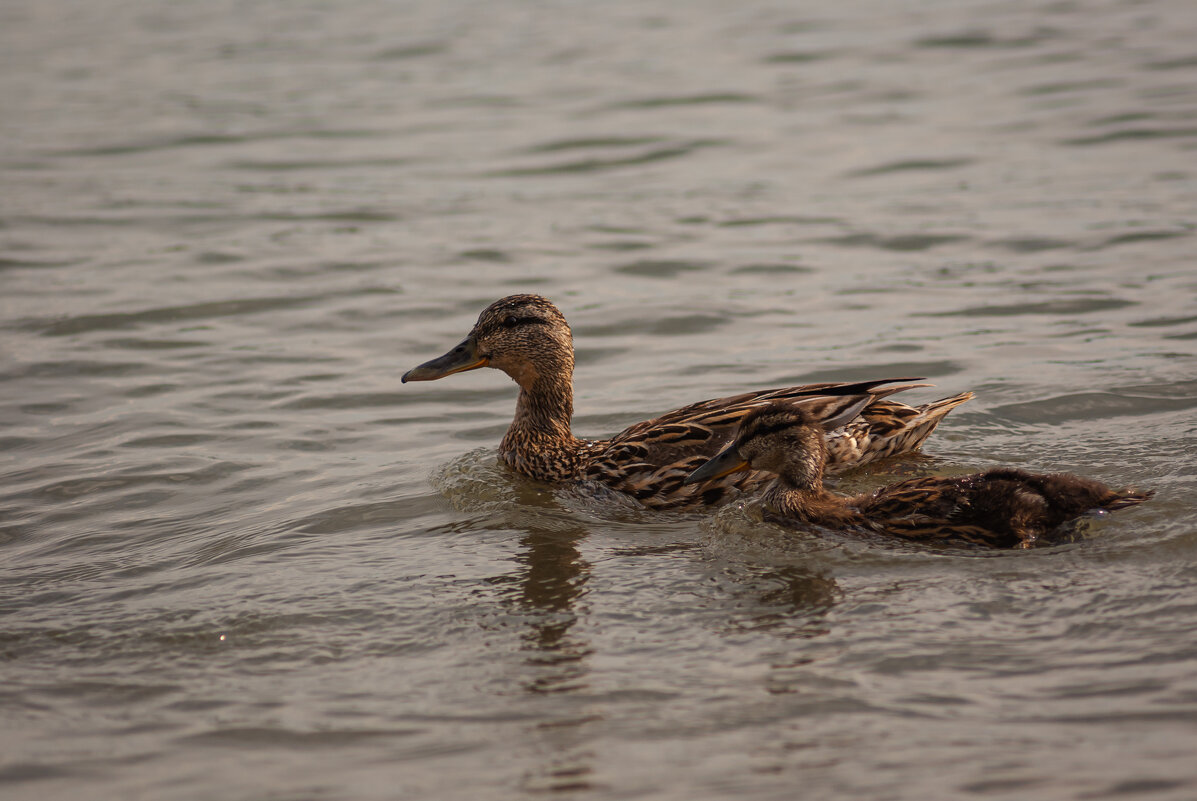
<point>1002,508</point>
<point>527,337</point>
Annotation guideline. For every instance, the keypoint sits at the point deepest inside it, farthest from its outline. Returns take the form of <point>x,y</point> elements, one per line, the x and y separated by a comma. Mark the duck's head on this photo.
<point>784,438</point>
<point>525,336</point>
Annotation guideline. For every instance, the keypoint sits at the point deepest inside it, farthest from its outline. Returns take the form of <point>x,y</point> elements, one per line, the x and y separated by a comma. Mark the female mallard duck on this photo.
<point>1002,508</point>
<point>527,337</point>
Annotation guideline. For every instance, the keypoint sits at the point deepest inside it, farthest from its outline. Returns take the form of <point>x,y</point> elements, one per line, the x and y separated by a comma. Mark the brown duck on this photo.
<point>527,337</point>
<point>1001,508</point>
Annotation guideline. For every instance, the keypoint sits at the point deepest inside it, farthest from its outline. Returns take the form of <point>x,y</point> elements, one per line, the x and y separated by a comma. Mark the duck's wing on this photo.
<point>720,417</point>
<point>651,460</point>
<point>886,428</point>
<point>943,498</point>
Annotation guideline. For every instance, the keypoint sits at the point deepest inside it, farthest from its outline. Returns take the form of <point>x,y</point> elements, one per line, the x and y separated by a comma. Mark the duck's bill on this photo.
<point>463,357</point>
<point>724,462</point>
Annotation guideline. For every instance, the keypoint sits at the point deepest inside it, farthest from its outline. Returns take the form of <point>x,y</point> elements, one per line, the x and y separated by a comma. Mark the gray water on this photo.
<point>241,561</point>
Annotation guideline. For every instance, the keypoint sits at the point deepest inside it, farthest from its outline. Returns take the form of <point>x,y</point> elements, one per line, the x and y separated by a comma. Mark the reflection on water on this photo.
<point>797,592</point>
<point>551,576</point>
<point>240,560</point>
<point>552,580</point>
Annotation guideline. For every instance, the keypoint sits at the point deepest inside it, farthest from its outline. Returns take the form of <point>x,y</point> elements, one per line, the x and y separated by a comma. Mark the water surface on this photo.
<point>240,560</point>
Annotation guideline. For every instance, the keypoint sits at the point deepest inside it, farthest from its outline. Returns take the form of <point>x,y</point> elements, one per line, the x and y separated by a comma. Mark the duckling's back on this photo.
<point>1003,507</point>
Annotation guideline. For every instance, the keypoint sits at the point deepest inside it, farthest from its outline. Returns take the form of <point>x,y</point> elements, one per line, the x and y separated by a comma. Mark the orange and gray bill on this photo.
<point>461,358</point>
<point>726,461</point>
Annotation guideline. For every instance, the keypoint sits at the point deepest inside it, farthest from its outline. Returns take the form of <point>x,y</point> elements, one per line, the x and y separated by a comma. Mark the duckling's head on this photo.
<point>784,438</point>
<point>525,336</point>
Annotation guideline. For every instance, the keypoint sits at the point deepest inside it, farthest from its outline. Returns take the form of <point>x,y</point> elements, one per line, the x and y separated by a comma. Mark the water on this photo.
<point>241,561</point>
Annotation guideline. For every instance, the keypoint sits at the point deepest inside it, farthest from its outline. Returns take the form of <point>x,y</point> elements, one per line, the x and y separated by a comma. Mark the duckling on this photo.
<point>1000,508</point>
<point>527,337</point>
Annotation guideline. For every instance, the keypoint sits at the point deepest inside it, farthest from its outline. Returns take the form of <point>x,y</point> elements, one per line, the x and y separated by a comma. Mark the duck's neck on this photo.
<point>806,501</point>
<point>539,442</point>
<point>545,408</point>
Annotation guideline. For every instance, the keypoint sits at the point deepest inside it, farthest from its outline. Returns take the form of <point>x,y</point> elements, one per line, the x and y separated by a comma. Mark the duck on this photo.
<point>527,337</point>
<point>997,508</point>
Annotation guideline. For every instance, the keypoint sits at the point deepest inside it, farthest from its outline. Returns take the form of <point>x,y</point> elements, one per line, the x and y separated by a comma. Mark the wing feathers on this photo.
<point>650,459</point>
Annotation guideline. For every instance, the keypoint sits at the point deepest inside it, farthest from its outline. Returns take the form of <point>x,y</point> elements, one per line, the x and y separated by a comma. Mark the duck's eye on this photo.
<point>510,322</point>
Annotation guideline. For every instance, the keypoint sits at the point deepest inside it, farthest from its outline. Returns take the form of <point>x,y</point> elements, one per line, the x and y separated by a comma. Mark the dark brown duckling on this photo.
<point>527,337</point>
<point>999,508</point>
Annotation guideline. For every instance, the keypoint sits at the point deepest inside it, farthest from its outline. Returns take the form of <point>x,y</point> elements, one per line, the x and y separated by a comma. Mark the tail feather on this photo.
<point>886,428</point>
<point>937,409</point>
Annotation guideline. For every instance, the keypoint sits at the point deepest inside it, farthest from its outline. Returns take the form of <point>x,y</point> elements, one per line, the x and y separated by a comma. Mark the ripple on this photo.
<point>1070,86</point>
<point>683,325</point>
<point>413,51</point>
<point>622,246</point>
<point>1004,786</point>
<point>1090,406</point>
<point>316,164</point>
<point>899,243</point>
<point>169,441</point>
<point>1138,236</point>
<point>669,101</point>
<point>36,264</point>
<point>74,488</point>
<point>778,219</point>
<point>1131,135</point>
<point>74,368</point>
<point>109,693</point>
<point>491,255</point>
<point>662,324</point>
<point>1126,116</point>
<point>366,515</point>
<point>19,772</point>
<point>593,142</point>
<point>912,165</point>
<point>798,57</point>
<point>276,737</point>
<point>1185,62</point>
<point>1032,244</point>
<point>1155,322</point>
<point>358,400</point>
<point>661,268</point>
<point>219,257</point>
<point>155,344</point>
<point>1139,787</point>
<point>167,314</point>
<point>772,269</point>
<point>601,164</point>
<point>1050,307</point>
<point>984,39</point>
<point>209,140</point>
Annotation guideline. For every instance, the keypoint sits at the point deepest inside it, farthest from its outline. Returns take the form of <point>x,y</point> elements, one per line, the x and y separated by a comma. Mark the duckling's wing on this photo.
<point>934,509</point>
<point>933,497</point>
